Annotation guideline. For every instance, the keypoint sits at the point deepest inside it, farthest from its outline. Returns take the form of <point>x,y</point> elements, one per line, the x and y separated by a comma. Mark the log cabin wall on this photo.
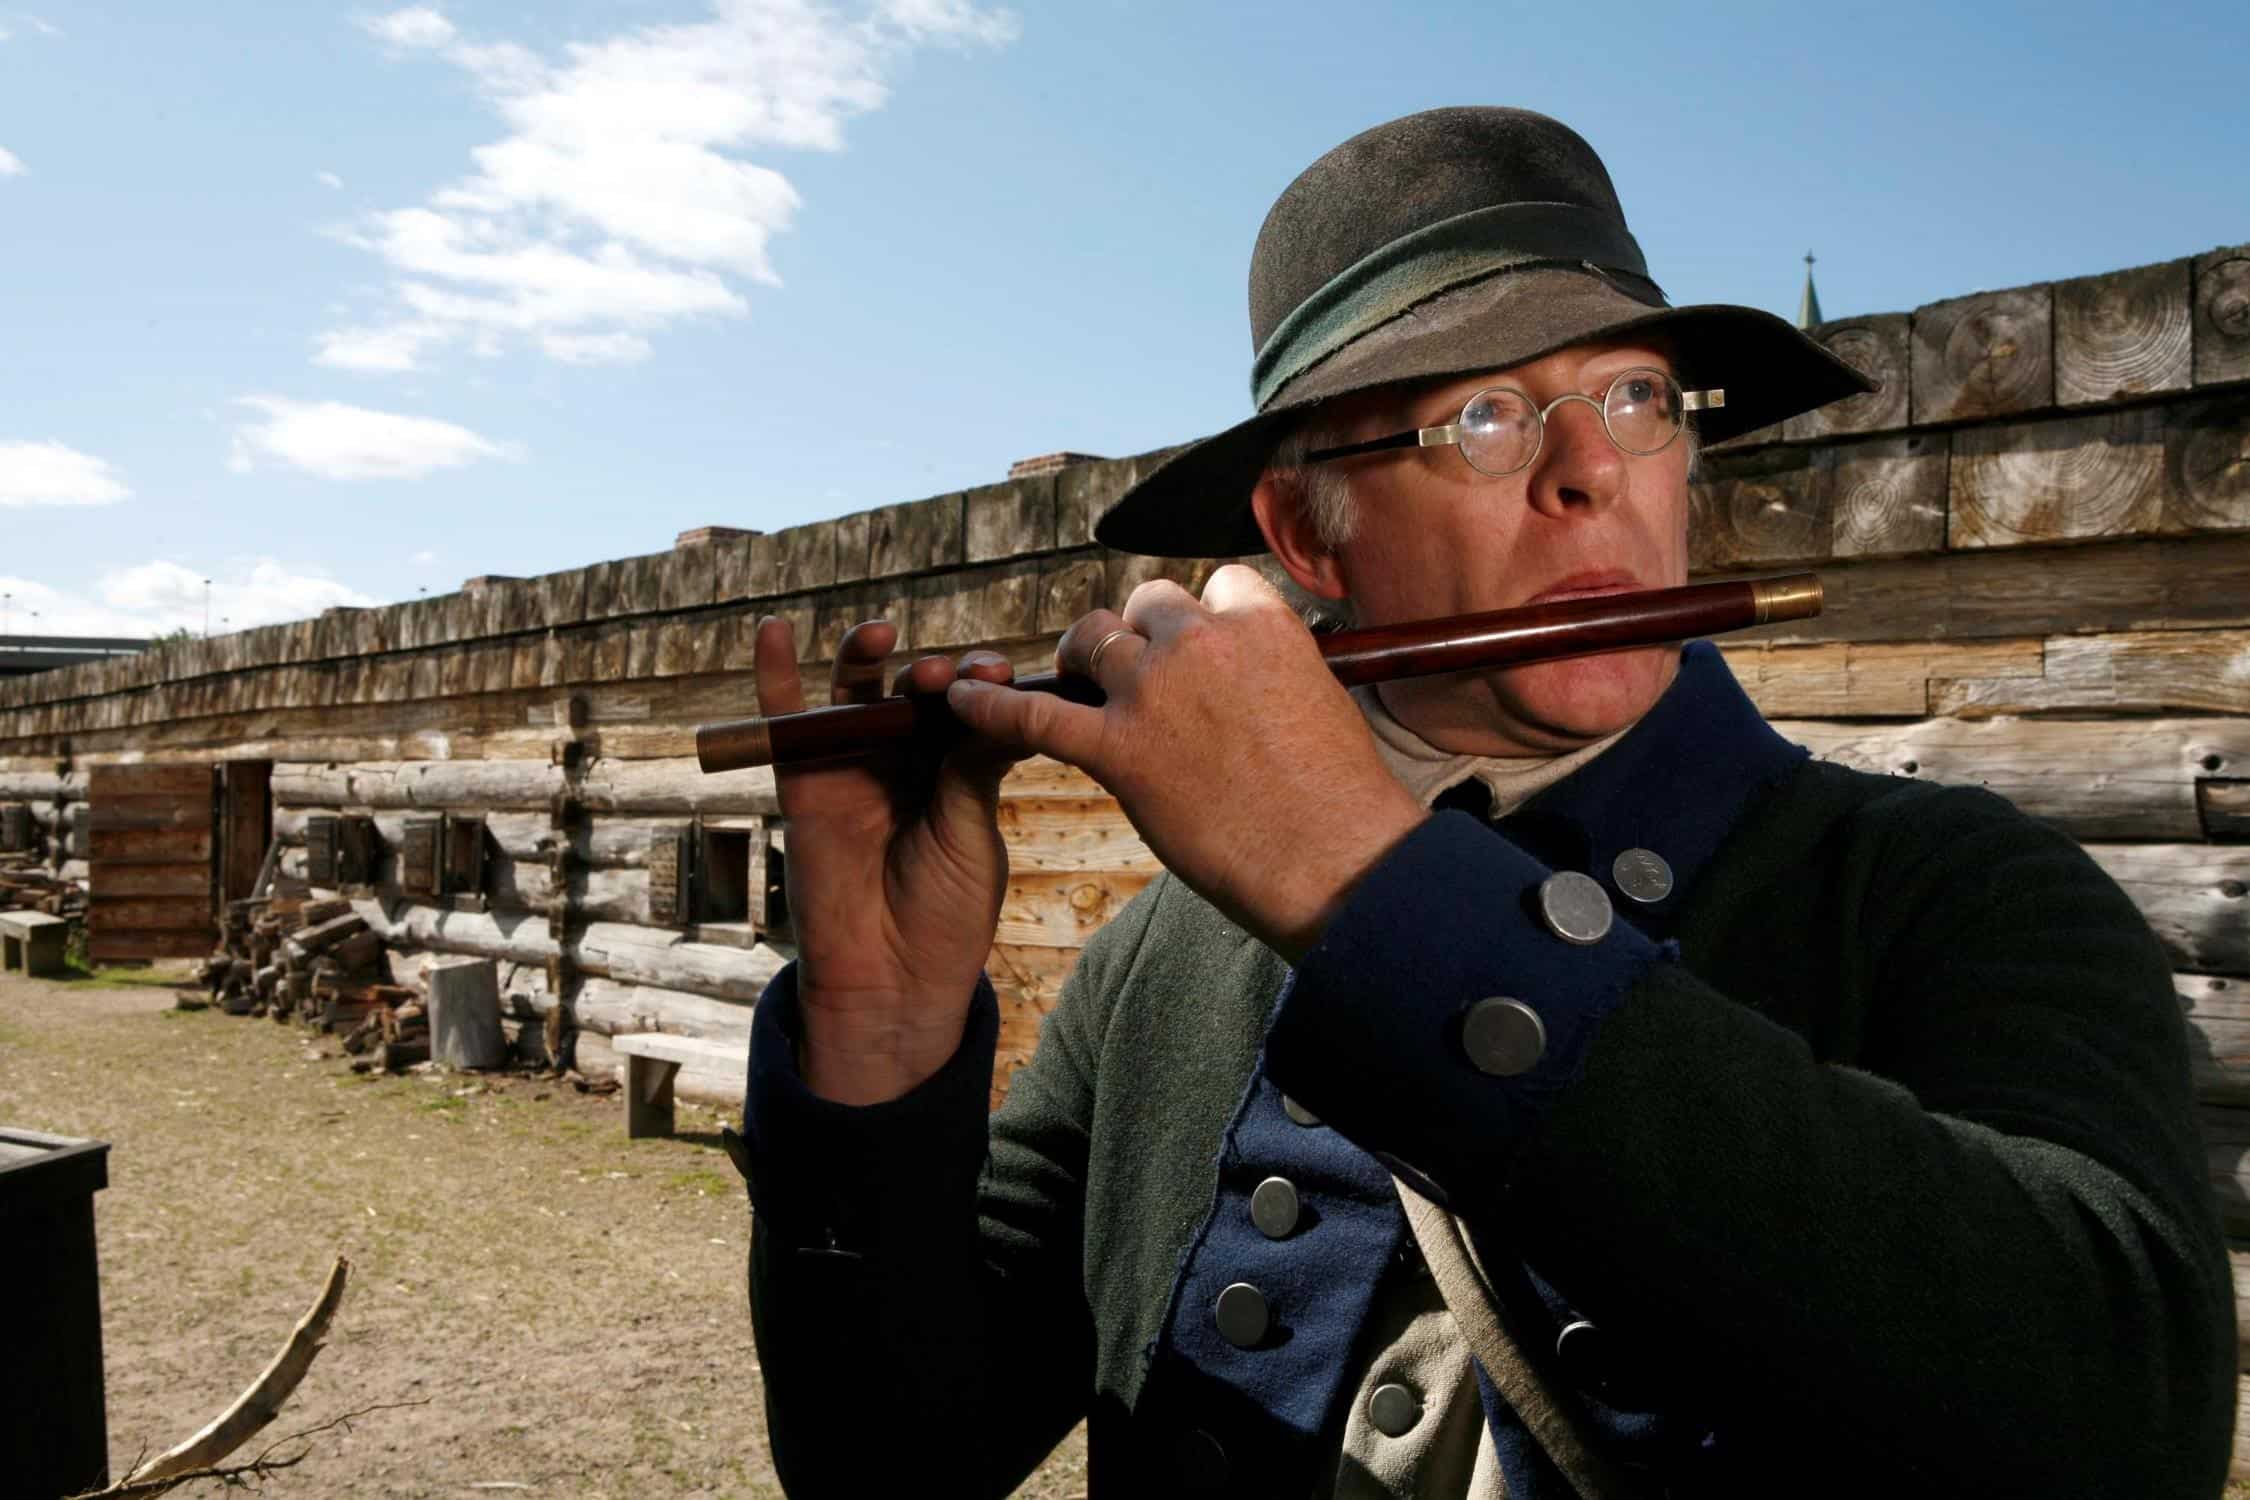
<point>2035,540</point>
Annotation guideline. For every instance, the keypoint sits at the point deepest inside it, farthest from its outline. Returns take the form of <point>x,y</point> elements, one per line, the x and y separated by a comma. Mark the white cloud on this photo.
<point>51,474</point>
<point>424,558</point>
<point>623,200</point>
<point>328,180</point>
<point>378,349</point>
<point>595,348</point>
<point>334,441</point>
<point>9,23</point>
<point>418,26</point>
<point>150,598</point>
<point>11,165</point>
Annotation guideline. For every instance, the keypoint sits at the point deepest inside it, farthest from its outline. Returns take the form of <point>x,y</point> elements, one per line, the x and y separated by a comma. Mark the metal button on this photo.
<point>1242,1315</point>
<point>1642,874</point>
<point>1503,1037</point>
<point>1576,907</point>
<point>1274,1208</point>
<point>1298,1112</point>
<point>1579,1349</point>
<point>1203,1463</point>
<point>1394,1409</point>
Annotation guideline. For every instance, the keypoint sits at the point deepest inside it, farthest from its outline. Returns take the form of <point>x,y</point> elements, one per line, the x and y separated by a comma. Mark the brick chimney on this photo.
<point>1048,463</point>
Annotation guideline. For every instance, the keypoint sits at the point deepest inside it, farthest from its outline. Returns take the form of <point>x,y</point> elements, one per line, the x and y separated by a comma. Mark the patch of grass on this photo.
<point>123,977</point>
<point>445,1104</point>
<point>699,1181</point>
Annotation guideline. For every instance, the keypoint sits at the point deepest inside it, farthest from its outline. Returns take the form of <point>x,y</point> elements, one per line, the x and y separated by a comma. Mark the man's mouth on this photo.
<point>1587,585</point>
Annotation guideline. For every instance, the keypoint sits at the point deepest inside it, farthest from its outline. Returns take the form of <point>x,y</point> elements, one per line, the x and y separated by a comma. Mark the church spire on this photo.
<point>1808,310</point>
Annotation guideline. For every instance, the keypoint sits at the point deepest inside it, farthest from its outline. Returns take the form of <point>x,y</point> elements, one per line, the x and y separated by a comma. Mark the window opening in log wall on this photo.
<point>722,893</point>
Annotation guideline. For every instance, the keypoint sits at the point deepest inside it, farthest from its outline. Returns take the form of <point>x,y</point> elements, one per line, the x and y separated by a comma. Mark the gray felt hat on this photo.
<point>1440,245</point>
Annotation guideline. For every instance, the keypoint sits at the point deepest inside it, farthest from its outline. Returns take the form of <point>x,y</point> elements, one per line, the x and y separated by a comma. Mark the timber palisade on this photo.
<point>2034,541</point>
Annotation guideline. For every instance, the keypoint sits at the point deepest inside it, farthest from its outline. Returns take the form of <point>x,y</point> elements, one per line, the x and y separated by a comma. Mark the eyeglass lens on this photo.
<point>1500,428</point>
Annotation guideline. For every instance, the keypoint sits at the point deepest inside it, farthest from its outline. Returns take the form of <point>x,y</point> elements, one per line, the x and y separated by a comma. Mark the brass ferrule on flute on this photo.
<point>1379,653</point>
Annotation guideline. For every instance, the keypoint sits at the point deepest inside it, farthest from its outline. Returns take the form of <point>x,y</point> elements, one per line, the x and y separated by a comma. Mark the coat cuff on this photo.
<point>1389,1033</point>
<point>850,1180</point>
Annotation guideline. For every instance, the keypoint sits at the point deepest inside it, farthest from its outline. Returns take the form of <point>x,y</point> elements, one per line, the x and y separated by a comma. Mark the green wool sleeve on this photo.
<point>1983,1250</point>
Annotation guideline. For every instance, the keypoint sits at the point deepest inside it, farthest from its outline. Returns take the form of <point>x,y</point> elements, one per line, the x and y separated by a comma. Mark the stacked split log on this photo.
<point>316,962</point>
<point>27,885</point>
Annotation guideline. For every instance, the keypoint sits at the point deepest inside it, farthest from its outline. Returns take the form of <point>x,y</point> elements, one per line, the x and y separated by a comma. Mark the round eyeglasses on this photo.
<point>1501,431</point>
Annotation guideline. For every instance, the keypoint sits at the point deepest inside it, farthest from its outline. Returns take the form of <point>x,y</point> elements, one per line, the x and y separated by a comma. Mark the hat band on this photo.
<point>1438,258</point>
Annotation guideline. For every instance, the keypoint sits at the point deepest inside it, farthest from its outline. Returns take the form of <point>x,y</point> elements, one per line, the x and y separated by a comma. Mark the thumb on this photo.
<point>1038,723</point>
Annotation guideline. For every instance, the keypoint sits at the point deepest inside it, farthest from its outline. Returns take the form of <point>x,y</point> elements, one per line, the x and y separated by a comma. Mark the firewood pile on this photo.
<point>318,963</point>
<point>25,885</point>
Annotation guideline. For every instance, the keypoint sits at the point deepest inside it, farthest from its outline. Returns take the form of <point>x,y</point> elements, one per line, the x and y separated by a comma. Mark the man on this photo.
<point>1713,1121</point>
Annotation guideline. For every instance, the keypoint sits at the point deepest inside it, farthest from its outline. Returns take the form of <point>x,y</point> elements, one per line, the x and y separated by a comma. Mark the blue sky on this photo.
<point>332,305</point>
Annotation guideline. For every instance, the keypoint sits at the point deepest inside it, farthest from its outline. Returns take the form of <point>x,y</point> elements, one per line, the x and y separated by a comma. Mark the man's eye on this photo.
<point>1638,391</point>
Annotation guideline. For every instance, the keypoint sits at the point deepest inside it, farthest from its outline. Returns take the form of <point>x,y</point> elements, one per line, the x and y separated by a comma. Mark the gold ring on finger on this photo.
<point>1094,657</point>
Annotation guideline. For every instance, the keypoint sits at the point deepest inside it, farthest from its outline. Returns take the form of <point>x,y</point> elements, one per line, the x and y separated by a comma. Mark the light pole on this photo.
<point>207,609</point>
<point>7,603</point>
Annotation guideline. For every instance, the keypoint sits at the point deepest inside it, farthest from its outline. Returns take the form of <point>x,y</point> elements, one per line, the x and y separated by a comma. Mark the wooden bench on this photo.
<point>33,942</point>
<point>652,1062</point>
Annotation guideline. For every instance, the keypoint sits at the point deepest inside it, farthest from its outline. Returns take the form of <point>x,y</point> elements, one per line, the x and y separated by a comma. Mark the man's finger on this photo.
<point>774,657</point>
<point>1235,587</point>
<point>1040,723</point>
<point>1159,609</point>
<point>857,676</point>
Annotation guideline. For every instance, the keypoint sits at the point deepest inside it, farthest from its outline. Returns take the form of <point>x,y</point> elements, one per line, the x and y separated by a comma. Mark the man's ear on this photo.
<point>1295,541</point>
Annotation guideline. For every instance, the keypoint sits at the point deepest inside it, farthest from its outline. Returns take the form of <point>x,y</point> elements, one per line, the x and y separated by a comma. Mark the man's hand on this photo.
<point>896,873</point>
<point>1238,757</point>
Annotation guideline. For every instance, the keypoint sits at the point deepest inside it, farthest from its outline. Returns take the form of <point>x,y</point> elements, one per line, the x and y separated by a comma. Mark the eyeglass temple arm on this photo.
<point>1426,437</point>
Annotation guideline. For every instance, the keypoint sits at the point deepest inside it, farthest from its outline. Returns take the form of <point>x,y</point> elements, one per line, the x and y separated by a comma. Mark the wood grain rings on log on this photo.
<point>2095,476</point>
<point>1887,497</point>
<point>2208,453</point>
<point>2124,334</point>
<point>1984,356</point>
<point>2222,316</point>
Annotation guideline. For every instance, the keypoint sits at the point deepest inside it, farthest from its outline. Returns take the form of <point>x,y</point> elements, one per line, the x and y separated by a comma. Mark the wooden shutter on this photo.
<point>15,828</point>
<point>320,851</point>
<point>419,869</point>
<point>667,879</point>
<point>358,847</point>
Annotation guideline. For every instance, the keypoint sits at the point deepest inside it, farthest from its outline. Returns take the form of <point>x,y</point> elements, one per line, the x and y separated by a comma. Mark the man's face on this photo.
<point>1436,537</point>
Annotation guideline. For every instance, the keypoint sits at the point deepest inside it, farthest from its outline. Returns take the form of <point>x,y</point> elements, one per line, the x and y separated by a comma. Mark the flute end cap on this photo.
<point>734,746</point>
<point>1795,597</point>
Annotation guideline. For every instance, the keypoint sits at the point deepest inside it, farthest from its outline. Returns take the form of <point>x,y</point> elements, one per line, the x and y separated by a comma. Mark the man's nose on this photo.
<point>1579,470</point>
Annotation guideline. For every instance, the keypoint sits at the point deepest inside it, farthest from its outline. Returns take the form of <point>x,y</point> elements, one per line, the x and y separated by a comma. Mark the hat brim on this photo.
<point>1197,502</point>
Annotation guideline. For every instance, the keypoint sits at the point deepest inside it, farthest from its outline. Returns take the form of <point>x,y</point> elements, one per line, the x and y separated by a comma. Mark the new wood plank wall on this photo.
<point>2035,539</point>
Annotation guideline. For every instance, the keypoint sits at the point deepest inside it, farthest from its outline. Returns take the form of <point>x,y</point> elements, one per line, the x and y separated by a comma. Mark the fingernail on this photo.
<point>965,687</point>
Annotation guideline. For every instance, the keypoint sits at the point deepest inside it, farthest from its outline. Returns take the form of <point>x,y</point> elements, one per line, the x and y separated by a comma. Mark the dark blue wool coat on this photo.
<point>1867,1154</point>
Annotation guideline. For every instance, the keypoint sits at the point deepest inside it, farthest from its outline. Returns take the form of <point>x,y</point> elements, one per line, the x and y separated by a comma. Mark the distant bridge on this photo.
<point>24,654</point>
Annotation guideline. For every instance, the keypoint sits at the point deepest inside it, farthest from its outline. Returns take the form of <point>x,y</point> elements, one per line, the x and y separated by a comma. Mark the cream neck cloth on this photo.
<point>1428,772</point>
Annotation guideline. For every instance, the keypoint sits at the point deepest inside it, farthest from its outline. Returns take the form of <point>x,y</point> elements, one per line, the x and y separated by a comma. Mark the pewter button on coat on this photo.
<point>1503,1037</point>
<point>1576,907</point>
<point>1579,1348</point>
<point>1242,1315</point>
<point>1273,1208</point>
<point>1203,1463</point>
<point>1298,1112</point>
<point>1394,1409</point>
<point>1642,874</point>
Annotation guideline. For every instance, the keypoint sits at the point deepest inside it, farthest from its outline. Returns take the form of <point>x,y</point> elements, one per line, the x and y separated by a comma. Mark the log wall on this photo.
<point>2035,540</point>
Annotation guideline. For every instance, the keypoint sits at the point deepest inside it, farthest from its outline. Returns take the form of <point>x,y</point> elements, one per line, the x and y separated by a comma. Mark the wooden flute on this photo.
<point>1378,653</point>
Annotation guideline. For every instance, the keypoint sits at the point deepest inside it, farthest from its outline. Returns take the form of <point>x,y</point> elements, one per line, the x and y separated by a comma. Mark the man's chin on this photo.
<point>1578,701</point>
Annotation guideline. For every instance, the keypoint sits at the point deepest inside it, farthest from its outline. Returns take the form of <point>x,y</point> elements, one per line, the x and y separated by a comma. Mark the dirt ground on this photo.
<point>568,1305</point>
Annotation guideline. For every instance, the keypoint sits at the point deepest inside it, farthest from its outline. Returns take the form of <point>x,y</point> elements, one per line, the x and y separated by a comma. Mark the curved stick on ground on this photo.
<point>258,1405</point>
